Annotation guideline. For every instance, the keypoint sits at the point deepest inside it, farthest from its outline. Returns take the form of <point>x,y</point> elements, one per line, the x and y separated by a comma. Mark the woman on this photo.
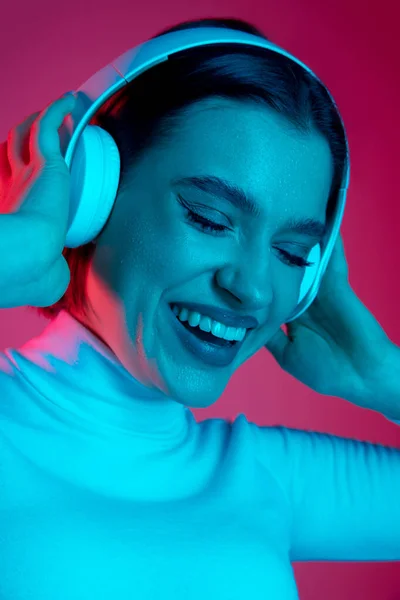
<point>111,489</point>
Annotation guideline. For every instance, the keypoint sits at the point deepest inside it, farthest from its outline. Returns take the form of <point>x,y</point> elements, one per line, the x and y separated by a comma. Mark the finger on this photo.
<point>44,142</point>
<point>17,143</point>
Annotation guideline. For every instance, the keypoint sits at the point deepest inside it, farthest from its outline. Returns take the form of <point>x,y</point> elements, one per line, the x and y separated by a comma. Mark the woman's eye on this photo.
<point>214,228</point>
<point>293,260</point>
<point>205,224</point>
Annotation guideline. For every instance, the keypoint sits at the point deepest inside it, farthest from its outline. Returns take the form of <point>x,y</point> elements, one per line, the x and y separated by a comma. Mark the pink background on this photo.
<point>49,47</point>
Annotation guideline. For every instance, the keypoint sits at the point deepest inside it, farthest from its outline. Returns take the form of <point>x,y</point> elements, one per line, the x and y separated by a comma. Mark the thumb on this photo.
<point>277,345</point>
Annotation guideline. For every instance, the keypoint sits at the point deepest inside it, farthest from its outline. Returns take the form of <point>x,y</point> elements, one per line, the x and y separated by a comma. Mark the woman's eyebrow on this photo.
<point>217,186</point>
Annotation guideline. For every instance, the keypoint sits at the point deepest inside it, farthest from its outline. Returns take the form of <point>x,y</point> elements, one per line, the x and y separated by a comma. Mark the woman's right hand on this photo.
<point>34,210</point>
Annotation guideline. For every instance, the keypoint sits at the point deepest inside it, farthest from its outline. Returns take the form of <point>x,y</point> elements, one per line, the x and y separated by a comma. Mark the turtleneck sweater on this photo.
<point>110,490</point>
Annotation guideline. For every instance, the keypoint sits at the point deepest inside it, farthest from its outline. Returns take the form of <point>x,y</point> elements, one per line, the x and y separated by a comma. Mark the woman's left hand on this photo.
<point>337,347</point>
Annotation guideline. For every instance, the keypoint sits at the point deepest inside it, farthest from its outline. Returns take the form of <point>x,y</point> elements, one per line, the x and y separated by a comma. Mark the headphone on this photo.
<point>93,159</point>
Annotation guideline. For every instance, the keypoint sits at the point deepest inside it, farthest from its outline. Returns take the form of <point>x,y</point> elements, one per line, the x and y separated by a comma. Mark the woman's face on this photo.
<point>151,254</point>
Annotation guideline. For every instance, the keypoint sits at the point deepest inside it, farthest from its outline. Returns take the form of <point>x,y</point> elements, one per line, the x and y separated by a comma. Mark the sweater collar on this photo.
<point>74,370</point>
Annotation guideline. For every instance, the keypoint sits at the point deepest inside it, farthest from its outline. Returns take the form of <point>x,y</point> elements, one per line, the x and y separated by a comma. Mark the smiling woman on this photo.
<point>148,110</point>
<point>230,163</point>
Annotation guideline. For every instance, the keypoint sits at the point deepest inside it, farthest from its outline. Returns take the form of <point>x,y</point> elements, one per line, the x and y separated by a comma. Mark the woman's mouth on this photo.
<point>204,344</point>
<point>207,336</point>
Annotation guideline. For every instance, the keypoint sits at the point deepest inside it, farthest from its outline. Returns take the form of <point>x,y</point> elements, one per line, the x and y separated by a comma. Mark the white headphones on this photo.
<point>93,157</point>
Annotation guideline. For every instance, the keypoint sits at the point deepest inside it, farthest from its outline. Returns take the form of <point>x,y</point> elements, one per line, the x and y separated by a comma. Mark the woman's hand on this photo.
<point>34,208</point>
<point>338,348</point>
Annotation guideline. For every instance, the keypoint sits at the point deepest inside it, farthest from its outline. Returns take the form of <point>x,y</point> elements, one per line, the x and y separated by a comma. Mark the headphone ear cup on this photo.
<point>310,272</point>
<point>95,174</point>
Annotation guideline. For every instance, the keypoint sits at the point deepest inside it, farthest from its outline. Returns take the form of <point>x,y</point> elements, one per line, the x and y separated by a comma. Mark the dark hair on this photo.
<point>148,109</point>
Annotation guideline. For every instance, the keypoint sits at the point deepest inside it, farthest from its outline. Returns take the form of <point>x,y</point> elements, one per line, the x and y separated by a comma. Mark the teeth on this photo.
<point>195,319</point>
